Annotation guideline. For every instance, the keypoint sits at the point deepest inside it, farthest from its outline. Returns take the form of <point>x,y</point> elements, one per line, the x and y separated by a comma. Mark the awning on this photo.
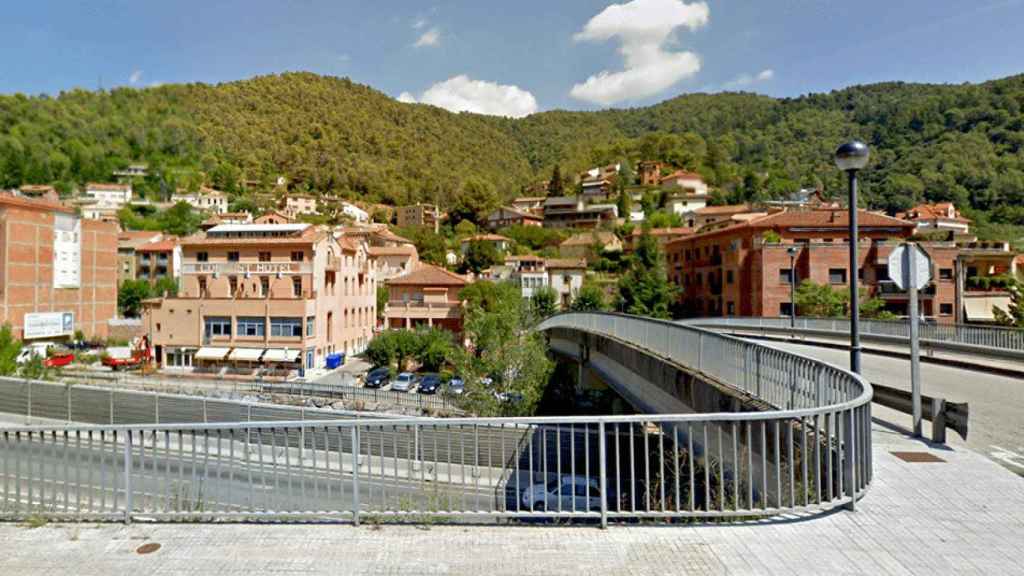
<point>247,354</point>
<point>211,353</point>
<point>281,355</point>
<point>980,309</point>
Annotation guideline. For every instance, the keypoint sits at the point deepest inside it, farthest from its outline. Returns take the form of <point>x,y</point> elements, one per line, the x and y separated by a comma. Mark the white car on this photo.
<point>30,350</point>
<point>584,492</point>
<point>405,382</point>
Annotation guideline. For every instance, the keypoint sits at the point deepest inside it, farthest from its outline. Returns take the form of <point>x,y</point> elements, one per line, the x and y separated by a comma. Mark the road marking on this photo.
<point>1008,457</point>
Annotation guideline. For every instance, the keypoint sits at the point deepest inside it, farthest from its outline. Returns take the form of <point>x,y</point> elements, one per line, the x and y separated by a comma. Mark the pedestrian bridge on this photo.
<point>805,450</point>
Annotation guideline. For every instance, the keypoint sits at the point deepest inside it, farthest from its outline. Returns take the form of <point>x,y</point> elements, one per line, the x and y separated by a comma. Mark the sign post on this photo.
<point>910,270</point>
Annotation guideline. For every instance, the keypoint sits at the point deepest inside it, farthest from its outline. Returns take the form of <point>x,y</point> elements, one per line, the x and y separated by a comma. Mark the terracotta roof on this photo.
<point>110,187</point>
<point>524,258</point>
<point>405,250</point>
<point>683,174</point>
<point>34,203</point>
<point>138,234</point>
<point>938,211</point>
<point>309,235</point>
<point>681,231</point>
<point>428,275</point>
<point>563,263</point>
<point>727,209</point>
<point>161,246</point>
<point>390,236</point>
<point>36,188</point>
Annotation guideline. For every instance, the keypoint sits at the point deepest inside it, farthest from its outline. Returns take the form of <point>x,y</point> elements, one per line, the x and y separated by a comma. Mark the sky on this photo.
<point>513,58</point>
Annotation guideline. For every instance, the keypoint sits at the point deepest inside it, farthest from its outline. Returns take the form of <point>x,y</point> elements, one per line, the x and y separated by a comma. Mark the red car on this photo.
<point>59,360</point>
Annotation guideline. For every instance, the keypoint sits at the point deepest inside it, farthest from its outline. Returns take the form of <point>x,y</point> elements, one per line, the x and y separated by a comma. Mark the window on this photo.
<point>728,276</point>
<point>310,326</point>
<point>837,275</point>
<point>860,273</point>
<point>233,282</point>
<point>945,273</point>
<point>217,326</point>
<point>945,309</point>
<point>264,256</point>
<point>730,308</point>
<point>297,285</point>
<point>264,286</point>
<point>881,273</point>
<point>285,327</point>
<point>785,308</point>
<point>297,256</point>
<point>785,275</point>
<point>202,286</point>
<point>232,256</point>
<point>251,326</point>
<point>202,257</point>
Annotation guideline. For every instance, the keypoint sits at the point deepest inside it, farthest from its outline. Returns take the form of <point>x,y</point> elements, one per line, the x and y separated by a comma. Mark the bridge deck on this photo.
<point>963,516</point>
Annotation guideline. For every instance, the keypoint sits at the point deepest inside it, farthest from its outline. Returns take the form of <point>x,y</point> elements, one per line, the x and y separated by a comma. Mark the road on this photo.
<point>996,402</point>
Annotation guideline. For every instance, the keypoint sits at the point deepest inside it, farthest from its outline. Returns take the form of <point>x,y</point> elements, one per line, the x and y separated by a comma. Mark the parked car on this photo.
<point>456,386</point>
<point>429,384</point>
<point>377,378</point>
<point>581,491</point>
<point>510,397</point>
<point>405,382</point>
<point>34,349</point>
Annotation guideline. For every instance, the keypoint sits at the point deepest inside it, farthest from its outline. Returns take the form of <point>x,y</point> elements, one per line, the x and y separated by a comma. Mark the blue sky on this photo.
<point>514,57</point>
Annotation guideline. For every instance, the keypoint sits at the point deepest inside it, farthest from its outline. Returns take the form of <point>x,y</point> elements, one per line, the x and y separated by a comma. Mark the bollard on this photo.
<point>938,420</point>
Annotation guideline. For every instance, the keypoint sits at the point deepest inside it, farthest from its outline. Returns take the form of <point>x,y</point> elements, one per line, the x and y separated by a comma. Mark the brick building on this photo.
<point>264,298</point>
<point>58,272</point>
<point>422,215</point>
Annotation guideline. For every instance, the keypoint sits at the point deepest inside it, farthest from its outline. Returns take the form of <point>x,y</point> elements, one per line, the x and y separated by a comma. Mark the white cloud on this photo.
<point>429,38</point>
<point>744,80</point>
<point>419,23</point>
<point>643,27</point>
<point>463,94</point>
<point>135,77</point>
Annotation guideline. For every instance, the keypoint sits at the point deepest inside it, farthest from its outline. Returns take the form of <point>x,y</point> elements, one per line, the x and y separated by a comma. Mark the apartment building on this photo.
<point>393,261</point>
<point>206,199</point>
<point>296,205</point>
<point>510,216</point>
<point>127,242</point>
<point>649,173</point>
<point>157,260</point>
<point>937,217</point>
<point>531,204</point>
<point>427,296</point>
<point>421,215</point>
<point>102,201</point>
<point>661,235</point>
<point>58,272</point>
<point>570,212</point>
<point>268,299</point>
<point>744,269</point>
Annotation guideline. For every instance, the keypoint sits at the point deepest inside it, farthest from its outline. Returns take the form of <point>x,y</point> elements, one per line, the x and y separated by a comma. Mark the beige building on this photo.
<point>128,242</point>
<point>299,204</point>
<point>267,299</point>
<point>206,199</point>
<point>424,215</point>
<point>393,261</point>
<point>427,296</point>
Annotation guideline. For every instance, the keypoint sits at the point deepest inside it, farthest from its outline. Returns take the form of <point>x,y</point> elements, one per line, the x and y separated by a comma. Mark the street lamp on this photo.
<point>850,158</point>
<point>792,251</point>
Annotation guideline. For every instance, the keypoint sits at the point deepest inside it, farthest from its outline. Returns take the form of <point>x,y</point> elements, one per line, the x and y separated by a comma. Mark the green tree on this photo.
<point>474,201</point>
<point>556,187</point>
<point>434,348</point>
<point>180,220</point>
<point>9,350</point>
<point>130,296</point>
<point>824,301</point>
<point>165,285</point>
<point>644,290</point>
<point>591,298</point>
<point>479,255</point>
<point>625,204</point>
<point>1014,314</point>
<point>544,301</point>
<point>383,296</point>
<point>465,228</point>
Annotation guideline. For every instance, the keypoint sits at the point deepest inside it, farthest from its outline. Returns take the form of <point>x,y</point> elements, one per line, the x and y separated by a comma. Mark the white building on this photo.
<point>565,276</point>
<point>354,212</point>
<point>205,199</point>
<point>102,201</point>
<point>532,273</point>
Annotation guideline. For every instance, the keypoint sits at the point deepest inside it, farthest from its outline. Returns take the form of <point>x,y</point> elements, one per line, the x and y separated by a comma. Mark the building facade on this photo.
<point>127,242</point>
<point>510,216</point>
<point>420,215</point>
<point>102,201</point>
<point>271,299</point>
<point>206,199</point>
<point>296,205</point>
<point>158,260</point>
<point>427,296</point>
<point>570,212</point>
<point>58,272</point>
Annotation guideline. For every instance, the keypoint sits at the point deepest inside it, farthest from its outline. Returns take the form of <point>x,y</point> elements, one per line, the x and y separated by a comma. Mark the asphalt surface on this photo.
<point>996,402</point>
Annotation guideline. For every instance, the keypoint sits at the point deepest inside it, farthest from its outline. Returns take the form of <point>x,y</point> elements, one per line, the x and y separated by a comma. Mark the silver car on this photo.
<point>405,382</point>
<point>566,494</point>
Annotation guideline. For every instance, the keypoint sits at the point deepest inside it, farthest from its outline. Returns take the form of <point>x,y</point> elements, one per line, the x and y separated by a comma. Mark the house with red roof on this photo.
<point>426,296</point>
<point>941,216</point>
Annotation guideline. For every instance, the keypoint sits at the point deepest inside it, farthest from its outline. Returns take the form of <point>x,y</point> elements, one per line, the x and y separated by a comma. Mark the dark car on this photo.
<point>430,383</point>
<point>377,378</point>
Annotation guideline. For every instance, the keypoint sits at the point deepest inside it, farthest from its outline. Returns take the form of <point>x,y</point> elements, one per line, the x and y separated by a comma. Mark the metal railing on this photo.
<point>994,337</point>
<point>815,454</point>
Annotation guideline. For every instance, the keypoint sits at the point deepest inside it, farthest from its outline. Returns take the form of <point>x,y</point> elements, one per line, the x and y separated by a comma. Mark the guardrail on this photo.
<point>813,455</point>
<point>988,340</point>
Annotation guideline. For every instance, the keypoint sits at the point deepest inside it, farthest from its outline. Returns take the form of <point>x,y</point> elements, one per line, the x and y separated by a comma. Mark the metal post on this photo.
<point>603,463</point>
<point>854,296</point>
<point>938,420</point>
<point>792,289</point>
<point>915,349</point>
<point>128,477</point>
<point>355,474</point>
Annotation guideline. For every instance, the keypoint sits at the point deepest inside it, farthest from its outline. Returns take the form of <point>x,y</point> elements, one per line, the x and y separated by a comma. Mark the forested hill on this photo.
<point>930,142</point>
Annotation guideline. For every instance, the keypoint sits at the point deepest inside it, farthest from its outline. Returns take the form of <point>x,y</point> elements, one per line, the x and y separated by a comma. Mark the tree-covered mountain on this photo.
<point>329,135</point>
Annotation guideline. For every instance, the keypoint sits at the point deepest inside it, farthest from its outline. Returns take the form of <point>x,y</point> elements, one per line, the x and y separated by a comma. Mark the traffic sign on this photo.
<point>899,267</point>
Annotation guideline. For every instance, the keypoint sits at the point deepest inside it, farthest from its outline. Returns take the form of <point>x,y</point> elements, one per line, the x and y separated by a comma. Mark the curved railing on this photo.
<point>994,341</point>
<point>810,454</point>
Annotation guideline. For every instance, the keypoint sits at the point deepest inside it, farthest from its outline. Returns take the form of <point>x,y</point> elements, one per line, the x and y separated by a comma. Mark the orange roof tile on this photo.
<point>160,246</point>
<point>428,275</point>
<point>565,263</point>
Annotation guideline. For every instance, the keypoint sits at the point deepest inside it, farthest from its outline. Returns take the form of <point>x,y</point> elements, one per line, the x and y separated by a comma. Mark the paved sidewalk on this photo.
<point>964,516</point>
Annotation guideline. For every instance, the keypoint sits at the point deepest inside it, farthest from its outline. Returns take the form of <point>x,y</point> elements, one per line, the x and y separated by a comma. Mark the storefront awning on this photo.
<point>211,353</point>
<point>980,309</point>
<point>247,354</point>
<point>281,355</point>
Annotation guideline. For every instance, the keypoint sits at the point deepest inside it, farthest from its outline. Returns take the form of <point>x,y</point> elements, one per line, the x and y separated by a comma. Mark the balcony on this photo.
<point>887,289</point>
<point>424,309</point>
<point>988,283</point>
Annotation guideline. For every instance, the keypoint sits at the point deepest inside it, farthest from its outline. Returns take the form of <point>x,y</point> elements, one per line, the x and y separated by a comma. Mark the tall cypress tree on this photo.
<point>555,185</point>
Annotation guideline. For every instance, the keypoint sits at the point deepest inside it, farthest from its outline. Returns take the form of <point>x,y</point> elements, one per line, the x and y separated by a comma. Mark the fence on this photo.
<point>814,455</point>
<point>976,337</point>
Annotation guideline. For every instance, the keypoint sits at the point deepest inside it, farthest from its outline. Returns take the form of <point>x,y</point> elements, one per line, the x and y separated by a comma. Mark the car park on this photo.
<point>566,493</point>
<point>377,378</point>
<point>429,384</point>
<point>405,382</point>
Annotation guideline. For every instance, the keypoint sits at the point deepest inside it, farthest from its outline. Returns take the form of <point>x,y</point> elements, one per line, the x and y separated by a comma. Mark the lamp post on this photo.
<point>851,158</point>
<point>792,251</point>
